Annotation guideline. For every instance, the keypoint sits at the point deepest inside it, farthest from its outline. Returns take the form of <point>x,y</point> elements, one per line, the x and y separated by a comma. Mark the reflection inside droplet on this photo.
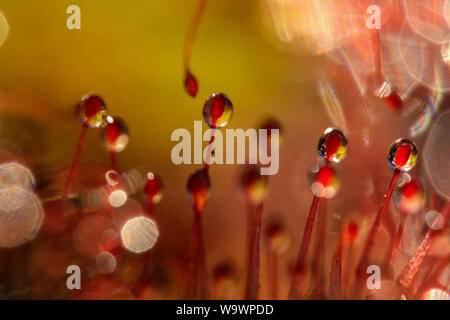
<point>434,220</point>
<point>436,154</point>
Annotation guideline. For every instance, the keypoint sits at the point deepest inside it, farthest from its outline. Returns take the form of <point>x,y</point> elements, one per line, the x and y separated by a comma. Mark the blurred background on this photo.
<point>310,64</point>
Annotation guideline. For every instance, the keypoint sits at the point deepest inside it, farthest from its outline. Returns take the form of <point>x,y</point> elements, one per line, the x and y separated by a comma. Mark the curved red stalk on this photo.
<point>198,288</point>
<point>316,265</point>
<point>192,31</point>
<point>295,290</point>
<point>360,270</point>
<point>73,171</point>
<point>190,81</point>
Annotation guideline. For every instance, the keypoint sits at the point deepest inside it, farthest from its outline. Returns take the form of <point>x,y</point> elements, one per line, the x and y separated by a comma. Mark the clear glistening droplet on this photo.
<point>332,145</point>
<point>402,154</point>
<point>91,111</point>
<point>217,110</point>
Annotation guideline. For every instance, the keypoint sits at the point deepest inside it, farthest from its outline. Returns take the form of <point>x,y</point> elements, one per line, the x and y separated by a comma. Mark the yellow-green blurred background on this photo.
<point>130,53</point>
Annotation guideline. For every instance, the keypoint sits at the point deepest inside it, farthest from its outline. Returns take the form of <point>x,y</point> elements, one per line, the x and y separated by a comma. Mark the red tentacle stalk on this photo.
<point>360,270</point>
<point>295,290</point>
<point>252,287</point>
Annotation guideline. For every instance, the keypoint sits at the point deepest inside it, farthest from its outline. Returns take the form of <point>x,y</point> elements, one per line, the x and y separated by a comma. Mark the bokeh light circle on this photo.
<point>117,198</point>
<point>4,28</point>
<point>15,174</point>
<point>139,234</point>
<point>21,216</point>
<point>436,155</point>
<point>428,19</point>
<point>436,294</point>
<point>105,262</point>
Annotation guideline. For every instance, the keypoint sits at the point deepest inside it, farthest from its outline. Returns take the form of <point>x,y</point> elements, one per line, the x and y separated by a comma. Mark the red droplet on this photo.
<point>153,188</point>
<point>93,105</point>
<point>273,230</point>
<point>223,271</point>
<point>402,154</point>
<point>410,189</point>
<point>332,144</point>
<point>269,125</point>
<point>394,101</point>
<point>325,176</point>
<point>217,108</point>
<point>190,84</point>
<point>198,189</point>
<point>113,131</point>
<point>352,230</point>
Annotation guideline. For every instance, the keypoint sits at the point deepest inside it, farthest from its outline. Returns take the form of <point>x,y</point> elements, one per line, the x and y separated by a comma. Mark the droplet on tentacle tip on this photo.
<point>325,182</point>
<point>332,145</point>
<point>409,197</point>
<point>115,134</point>
<point>217,110</point>
<point>153,188</point>
<point>270,124</point>
<point>190,84</point>
<point>91,111</point>
<point>402,154</point>
<point>198,189</point>
<point>351,232</point>
<point>254,185</point>
<point>224,280</point>
<point>277,237</point>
